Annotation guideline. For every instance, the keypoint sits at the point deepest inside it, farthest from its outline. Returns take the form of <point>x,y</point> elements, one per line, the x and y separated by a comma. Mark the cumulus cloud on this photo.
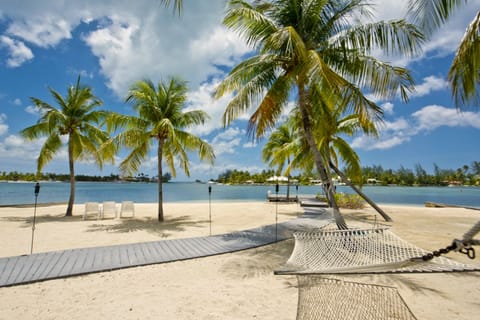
<point>202,99</point>
<point>430,84</point>
<point>132,47</point>
<point>3,125</point>
<point>425,120</point>
<point>32,110</point>
<point>387,107</point>
<point>14,146</point>
<point>227,141</point>
<point>44,31</point>
<point>18,52</point>
<point>431,117</point>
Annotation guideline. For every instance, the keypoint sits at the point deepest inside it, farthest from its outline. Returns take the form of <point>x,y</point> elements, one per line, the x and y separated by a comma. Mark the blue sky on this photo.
<point>113,43</point>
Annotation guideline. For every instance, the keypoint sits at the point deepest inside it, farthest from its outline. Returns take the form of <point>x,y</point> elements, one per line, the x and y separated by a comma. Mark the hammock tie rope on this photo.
<point>461,246</point>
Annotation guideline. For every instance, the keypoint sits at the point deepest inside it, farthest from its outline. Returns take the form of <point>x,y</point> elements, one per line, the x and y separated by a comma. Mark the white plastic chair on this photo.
<point>127,206</point>
<point>91,207</point>
<point>109,208</point>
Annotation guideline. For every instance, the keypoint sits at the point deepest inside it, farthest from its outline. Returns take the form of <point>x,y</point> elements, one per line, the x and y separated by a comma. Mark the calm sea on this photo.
<point>23,193</point>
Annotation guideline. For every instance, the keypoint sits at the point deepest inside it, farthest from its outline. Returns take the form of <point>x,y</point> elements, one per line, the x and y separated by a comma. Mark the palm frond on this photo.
<point>270,107</point>
<point>48,151</point>
<point>248,22</point>
<point>429,15</point>
<point>464,73</point>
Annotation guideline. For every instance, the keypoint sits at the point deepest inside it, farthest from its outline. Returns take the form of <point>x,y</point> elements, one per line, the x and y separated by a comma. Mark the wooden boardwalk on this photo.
<point>60,264</point>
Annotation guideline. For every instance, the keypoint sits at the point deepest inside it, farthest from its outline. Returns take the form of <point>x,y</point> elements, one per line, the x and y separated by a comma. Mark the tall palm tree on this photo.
<point>464,73</point>
<point>76,119</point>
<point>280,148</point>
<point>161,120</point>
<point>311,49</point>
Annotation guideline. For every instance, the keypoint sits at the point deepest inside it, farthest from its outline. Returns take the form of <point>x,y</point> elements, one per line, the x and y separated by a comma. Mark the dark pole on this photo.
<point>276,212</point>
<point>296,187</point>
<point>210,207</point>
<point>37,191</point>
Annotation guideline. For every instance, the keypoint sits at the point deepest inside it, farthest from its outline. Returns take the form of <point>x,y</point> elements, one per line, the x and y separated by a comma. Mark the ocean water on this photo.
<point>23,193</point>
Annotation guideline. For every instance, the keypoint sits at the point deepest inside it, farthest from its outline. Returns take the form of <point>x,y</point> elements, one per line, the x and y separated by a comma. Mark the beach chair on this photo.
<point>91,207</point>
<point>109,208</point>
<point>127,206</point>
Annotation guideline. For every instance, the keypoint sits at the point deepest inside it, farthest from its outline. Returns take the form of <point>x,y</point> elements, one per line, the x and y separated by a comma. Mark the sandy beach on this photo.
<point>239,285</point>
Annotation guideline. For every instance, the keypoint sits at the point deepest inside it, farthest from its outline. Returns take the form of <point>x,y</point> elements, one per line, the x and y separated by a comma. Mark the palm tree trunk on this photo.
<point>327,183</point>
<point>160,185</point>
<point>71,200</point>
<point>360,193</point>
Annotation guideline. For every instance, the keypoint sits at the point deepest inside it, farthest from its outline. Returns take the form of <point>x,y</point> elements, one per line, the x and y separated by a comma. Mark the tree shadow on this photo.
<point>258,261</point>
<point>163,229</point>
<point>28,221</point>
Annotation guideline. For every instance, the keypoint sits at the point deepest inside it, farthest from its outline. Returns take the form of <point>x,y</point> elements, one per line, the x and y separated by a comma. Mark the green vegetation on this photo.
<point>312,52</point>
<point>319,52</point>
<point>77,119</point>
<point>465,175</point>
<point>349,201</point>
<point>160,120</point>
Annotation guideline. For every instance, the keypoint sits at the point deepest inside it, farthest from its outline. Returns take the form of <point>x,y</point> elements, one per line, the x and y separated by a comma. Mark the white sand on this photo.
<point>232,286</point>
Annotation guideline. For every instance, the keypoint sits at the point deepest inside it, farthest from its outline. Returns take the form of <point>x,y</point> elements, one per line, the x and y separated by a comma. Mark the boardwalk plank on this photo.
<point>50,265</point>
<point>50,259</point>
<point>9,270</point>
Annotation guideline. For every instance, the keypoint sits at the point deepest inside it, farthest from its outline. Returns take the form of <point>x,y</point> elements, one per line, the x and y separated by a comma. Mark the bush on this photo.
<point>346,201</point>
<point>349,201</point>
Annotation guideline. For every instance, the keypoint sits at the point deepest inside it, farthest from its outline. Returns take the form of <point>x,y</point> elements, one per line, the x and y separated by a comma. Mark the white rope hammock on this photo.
<point>360,251</point>
<point>331,299</point>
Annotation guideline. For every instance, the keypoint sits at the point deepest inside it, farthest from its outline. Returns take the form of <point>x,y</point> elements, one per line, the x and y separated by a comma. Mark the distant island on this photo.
<point>377,175</point>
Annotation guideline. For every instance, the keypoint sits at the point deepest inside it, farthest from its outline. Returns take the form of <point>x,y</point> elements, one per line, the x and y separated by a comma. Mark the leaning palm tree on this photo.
<point>76,119</point>
<point>303,44</point>
<point>280,148</point>
<point>464,73</point>
<point>161,120</point>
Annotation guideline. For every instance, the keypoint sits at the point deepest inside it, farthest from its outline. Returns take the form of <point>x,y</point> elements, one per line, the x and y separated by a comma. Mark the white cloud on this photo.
<point>18,52</point>
<point>132,47</point>
<point>32,110</point>
<point>387,107</point>
<point>430,84</point>
<point>17,102</point>
<point>14,146</point>
<point>226,141</point>
<point>390,134</point>
<point>250,144</point>
<point>3,126</point>
<point>427,119</point>
<point>434,116</point>
<point>44,31</point>
<point>202,99</point>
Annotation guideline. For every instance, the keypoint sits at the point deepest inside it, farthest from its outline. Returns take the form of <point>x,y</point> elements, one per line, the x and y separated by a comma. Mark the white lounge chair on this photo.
<point>109,208</point>
<point>127,206</point>
<point>91,207</point>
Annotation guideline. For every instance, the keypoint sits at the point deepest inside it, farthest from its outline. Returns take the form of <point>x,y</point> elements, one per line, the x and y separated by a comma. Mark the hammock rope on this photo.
<point>365,251</point>
<point>465,246</point>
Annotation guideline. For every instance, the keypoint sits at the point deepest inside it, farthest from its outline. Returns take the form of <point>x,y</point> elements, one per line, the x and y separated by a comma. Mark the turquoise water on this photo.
<point>23,193</point>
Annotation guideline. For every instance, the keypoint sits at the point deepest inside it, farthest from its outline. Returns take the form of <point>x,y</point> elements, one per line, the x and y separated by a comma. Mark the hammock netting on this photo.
<point>356,251</point>
<point>321,298</point>
<point>361,251</point>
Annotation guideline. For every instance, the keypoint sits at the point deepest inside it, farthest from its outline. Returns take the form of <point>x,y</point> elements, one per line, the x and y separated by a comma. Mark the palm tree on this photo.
<point>464,73</point>
<point>78,121</point>
<point>280,147</point>
<point>160,119</point>
<point>311,49</point>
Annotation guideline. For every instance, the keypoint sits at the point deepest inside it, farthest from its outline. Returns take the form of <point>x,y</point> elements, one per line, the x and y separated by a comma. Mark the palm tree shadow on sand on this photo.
<point>150,225</point>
